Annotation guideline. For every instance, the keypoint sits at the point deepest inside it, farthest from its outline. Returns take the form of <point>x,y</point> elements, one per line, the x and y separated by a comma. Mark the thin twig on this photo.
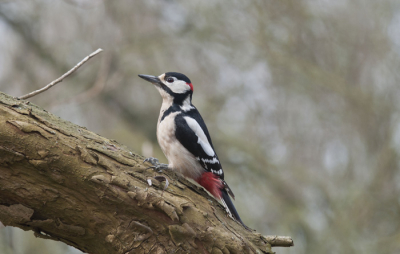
<point>29,95</point>
<point>95,90</point>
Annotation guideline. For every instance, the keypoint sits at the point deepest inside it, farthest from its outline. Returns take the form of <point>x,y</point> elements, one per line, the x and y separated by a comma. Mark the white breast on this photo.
<point>179,158</point>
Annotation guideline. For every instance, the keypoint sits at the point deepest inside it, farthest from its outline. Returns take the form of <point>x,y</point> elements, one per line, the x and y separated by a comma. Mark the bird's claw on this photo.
<point>160,167</point>
<point>156,164</point>
<point>152,160</point>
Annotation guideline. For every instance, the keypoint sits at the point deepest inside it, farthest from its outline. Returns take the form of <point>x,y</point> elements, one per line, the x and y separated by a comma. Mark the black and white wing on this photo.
<point>192,133</point>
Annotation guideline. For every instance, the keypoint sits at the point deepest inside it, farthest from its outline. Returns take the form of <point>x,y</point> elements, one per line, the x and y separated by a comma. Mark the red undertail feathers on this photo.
<point>212,183</point>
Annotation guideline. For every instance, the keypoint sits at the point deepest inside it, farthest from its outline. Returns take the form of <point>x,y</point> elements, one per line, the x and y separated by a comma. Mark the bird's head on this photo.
<point>171,85</point>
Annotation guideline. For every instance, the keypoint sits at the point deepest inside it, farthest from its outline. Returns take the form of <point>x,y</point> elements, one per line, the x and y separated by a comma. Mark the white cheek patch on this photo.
<point>202,139</point>
<point>178,86</point>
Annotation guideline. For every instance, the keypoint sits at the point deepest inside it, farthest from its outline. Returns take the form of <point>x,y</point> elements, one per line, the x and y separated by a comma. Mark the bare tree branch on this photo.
<point>60,79</point>
<point>96,89</point>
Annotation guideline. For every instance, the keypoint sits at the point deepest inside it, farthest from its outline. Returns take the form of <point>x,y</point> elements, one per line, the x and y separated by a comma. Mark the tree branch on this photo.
<point>60,79</point>
<point>69,184</point>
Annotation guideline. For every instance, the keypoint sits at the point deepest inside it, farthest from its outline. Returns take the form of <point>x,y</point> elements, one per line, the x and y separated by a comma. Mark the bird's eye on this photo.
<point>170,80</point>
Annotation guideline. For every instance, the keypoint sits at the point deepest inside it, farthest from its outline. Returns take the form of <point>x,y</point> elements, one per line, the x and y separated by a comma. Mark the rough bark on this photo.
<point>69,184</point>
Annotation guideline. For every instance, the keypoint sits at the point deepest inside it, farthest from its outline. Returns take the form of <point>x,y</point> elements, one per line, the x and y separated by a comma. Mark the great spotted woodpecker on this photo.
<point>184,138</point>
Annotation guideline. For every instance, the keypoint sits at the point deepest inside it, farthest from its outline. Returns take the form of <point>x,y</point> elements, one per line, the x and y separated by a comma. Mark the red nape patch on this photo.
<point>191,86</point>
<point>211,183</point>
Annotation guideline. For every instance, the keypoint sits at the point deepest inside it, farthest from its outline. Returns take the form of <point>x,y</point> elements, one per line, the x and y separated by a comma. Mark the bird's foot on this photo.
<point>156,164</point>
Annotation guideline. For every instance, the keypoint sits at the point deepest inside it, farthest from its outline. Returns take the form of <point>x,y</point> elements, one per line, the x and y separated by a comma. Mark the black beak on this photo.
<point>152,79</point>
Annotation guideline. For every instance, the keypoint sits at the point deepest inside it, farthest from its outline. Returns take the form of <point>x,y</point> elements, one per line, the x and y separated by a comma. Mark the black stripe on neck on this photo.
<point>172,109</point>
<point>178,97</point>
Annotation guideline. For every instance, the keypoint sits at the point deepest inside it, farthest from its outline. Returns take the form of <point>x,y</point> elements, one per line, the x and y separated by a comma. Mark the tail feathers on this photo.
<point>226,200</point>
<point>220,189</point>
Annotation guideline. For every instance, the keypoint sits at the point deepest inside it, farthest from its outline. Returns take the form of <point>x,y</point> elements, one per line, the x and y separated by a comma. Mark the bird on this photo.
<point>184,138</point>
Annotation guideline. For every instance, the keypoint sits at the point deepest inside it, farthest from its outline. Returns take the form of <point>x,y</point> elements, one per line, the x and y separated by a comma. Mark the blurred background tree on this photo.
<point>301,98</point>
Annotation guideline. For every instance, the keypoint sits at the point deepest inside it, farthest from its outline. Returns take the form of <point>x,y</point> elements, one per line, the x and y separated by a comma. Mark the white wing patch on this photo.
<point>202,139</point>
